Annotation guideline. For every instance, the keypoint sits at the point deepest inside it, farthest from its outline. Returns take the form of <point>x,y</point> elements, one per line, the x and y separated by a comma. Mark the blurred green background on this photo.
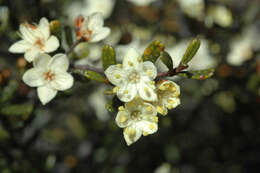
<point>214,130</point>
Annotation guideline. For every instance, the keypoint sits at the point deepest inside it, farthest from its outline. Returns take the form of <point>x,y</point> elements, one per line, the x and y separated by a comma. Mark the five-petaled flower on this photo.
<point>49,75</point>
<point>35,39</point>
<point>133,78</point>
<point>91,28</point>
<point>137,118</point>
<point>168,96</point>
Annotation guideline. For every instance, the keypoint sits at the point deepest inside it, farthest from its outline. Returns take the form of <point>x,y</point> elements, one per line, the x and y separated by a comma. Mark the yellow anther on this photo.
<point>152,83</point>
<point>115,89</point>
<point>170,107</point>
<point>148,73</point>
<point>171,101</point>
<point>172,88</point>
<point>117,76</point>
<point>161,110</point>
<point>145,133</point>
<point>139,59</point>
<point>123,119</point>
<point>151,126</point>
<point>120,65</point>
<point>155,119</point>
<point>149,108</point>
<point>121,108</point>
<point>126,92</point>
<point>166,85</point>
<point>130,63</point>
<point>162,87</point>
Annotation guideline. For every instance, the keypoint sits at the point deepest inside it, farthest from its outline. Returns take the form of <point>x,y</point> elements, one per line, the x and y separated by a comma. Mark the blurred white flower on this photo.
<point>49,75</point>
<point>36,39</point>
<point>141,2</point>
<point>168,96</point>
<point>91,28</point>
<point>137,118</point>
<point>242,47</point>
<point>193,8</point>
<point>87,7</point>
<point>201,60</point>
<point>220,15</point>
<point>133,77</point>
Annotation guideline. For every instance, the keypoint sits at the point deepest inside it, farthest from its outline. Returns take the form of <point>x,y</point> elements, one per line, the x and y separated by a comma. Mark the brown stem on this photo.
<point>73,46</point>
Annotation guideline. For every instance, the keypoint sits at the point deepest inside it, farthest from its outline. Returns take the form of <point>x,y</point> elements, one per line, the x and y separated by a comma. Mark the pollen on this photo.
<point>139,60</point>
<point>171,101</point>
<point>151,126</point>
<point>115,89</point>
<point>172,88</point>
<point>145,133</point>
<point>121,108</point>
<point>155,119</point>
<point>123,119</point>
<point>161,110</point>
<point>149,108</point>
<point>162,87</point>
<point>126,92</point>
<point>119,65</point>
<point>130,63</point>
<point>148,72</point>
<point>49,75</point>
<point>117,76</point>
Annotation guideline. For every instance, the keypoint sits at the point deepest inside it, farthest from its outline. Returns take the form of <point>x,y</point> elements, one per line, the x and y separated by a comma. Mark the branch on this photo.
<point>73,46</point>
<point>172,72</point>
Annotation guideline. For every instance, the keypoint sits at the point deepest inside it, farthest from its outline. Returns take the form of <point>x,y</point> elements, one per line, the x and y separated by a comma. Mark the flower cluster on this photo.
<point>135,85</point>
<point>49,74</point>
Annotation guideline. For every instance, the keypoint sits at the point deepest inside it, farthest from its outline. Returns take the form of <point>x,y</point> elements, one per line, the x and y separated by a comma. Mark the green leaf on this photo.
<point>8,91</point>
<point>190,51</point>
<point>95,76</point>
<point>108,56</point>
<point>166,59</point>
<point>153,51</point>
<point>198,74</point>
<point>23,110</point>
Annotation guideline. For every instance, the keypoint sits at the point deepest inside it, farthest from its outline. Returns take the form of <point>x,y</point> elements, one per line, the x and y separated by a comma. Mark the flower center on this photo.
<point>39,43</point>
<point>136,116</point>
<point>49,75</point>
<point>134,77</point>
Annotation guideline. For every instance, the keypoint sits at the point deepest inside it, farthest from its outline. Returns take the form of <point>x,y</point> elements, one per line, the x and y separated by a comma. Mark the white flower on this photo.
<point>137,118</point>
<point>103,6</point>
<point>49,75</point>
<point>193,8</point>
<point>91,27</point>
<point>168,96</point>
<point>141,2</point>
<point>133,77</point>
<point>35,39</point>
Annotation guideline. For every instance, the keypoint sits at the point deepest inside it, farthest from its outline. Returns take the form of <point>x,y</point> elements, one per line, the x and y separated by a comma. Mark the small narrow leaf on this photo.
<point>23,110</point>
<point>166,59</point>
<point>95,76</point>
<point>190,51</point>
<point>108,56</point>
<point>153,51</point>
<point>199,74</point>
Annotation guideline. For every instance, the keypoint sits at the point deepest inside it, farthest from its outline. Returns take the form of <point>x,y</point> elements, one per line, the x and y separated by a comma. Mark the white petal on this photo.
<point>123,119</point>
<point>148,109</point>
<point>20,46</point>
<point>32,53</point>
<point>51,44</point>
<point>95,21</point>
<point>147,127</point>
<point>127,92</point>
<point>33,77</point>
<point>42,61</point>
<point>44,27</point>
<point>147,92</point>
<point>46,94</point>
<point>149,69</point>
<point>60,62</point>
<point>100,34</point>
<point>116,75</point>
<point>132,59</point>
<point>28,34</point>
<point>62,81</point>
<point>132,134</point>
